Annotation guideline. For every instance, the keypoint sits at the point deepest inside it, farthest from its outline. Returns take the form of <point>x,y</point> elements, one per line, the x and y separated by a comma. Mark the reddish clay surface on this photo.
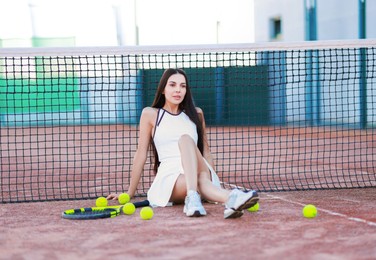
<point>345,228</point>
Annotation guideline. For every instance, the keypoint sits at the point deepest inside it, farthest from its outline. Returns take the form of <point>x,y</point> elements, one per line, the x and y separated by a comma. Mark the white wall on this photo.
<point>291,13</point>
<point>371,19</point>
<point>339,19</point>
<point>336,19</point>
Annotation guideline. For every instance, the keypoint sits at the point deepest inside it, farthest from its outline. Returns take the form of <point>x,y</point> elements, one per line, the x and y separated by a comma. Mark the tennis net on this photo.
<point>280,117</point>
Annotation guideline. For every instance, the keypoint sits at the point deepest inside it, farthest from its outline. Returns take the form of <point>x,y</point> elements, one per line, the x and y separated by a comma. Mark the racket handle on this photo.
<point>143,203</point>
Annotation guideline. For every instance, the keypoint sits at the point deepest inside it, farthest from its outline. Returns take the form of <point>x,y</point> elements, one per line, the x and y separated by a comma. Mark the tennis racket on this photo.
<point>99,212</point>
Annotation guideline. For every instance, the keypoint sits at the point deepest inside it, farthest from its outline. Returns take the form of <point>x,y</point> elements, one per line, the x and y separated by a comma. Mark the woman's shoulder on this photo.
<point>149,112</point>
<point>199,111</point>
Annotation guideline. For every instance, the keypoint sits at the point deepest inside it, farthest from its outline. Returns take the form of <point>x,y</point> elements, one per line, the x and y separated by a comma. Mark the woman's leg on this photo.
<point>197,174</point>
<point>209,191</point>
<point>180,190</point>
<point>189,160</point>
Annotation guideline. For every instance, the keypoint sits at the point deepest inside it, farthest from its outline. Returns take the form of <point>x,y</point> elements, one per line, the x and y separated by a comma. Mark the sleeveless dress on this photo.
<point>167,132</point>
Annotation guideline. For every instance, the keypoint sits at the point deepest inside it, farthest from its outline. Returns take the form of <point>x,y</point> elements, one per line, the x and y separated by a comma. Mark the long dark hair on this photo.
<point>187,105</point>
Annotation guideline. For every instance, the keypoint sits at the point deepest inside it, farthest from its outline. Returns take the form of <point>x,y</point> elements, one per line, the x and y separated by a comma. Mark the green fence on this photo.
<point>19,96</point>
<point>226,97</point>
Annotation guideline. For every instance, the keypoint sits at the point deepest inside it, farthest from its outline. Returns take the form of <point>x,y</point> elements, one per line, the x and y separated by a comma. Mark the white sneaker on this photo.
<point>238,201</point>
<point>193,206</point>
<point>230,213</point>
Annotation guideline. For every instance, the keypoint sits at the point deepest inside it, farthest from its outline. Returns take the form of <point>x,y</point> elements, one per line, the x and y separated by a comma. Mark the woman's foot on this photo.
<point>238,201</point>
<point>193,206</point>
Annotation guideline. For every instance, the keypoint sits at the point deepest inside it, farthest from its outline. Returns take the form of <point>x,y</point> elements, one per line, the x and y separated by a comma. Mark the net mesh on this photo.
<point>279,117</point>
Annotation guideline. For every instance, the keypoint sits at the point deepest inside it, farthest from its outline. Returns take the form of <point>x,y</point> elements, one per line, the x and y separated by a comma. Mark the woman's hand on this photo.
<point>113,196</point>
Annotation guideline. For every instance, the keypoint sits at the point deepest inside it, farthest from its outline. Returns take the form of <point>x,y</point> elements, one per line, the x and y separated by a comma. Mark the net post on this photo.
<point>363,66</point>
<point>139,94</point>
<point>84,97</point>
<point>312,88</point>
<point>362,19</point>
<point>312,101</point>
<point>219,93</point>
<point>311,23</point>
<point>363,88</point>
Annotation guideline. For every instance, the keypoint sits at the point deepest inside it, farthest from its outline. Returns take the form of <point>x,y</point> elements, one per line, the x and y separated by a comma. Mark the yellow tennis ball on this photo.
<point>254,208</point>
<point>129,208</point>
<point>146,213</point>
<point>124,198</point>
<point>101,202</point>
<point>309,211</point>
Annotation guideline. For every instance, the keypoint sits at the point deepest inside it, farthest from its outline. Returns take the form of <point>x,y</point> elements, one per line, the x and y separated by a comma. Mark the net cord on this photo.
<point>178,49</point>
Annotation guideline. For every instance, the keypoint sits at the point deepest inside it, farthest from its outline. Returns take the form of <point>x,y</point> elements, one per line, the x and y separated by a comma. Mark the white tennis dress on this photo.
<point>168,130</point>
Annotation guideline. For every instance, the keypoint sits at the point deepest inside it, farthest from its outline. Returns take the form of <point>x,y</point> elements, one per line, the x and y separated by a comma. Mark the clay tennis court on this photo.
<point>345,227</point>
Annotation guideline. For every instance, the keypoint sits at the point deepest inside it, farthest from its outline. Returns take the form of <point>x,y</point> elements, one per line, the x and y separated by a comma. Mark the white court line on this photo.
<point>358,220</point>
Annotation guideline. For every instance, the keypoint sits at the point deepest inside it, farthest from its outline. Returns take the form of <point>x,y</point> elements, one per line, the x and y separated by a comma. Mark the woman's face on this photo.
<point>175,89</point>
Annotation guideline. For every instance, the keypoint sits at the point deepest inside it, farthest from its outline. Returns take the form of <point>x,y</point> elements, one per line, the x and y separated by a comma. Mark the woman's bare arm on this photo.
<point>145,130</point>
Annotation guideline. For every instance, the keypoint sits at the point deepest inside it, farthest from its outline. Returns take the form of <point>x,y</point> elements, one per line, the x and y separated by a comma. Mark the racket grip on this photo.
<point>143,203</point>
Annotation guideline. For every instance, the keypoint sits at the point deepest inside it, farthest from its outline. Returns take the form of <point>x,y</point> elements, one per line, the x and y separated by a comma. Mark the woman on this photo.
<point>184,167</point>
